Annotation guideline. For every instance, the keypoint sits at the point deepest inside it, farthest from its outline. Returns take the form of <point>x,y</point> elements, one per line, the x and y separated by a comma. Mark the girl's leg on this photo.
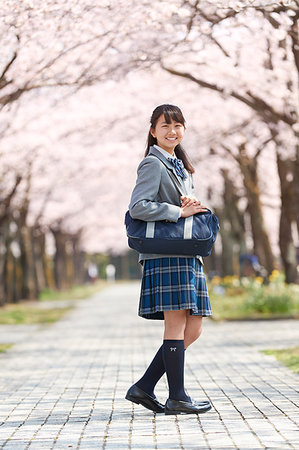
<point>152,374</point>
<point>193,329</point>
<point>174,329</point>
<point>174,353</point>
<point>175,324</point>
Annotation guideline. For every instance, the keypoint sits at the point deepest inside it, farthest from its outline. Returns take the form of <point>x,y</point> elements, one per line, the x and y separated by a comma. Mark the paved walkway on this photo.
<point>63,387</point>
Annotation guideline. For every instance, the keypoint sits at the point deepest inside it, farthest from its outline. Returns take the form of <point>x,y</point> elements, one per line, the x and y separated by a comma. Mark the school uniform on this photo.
<point>169,282</point>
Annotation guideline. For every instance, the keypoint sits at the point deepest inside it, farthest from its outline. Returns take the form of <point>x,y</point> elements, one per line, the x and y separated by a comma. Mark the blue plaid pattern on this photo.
<point>171,284</point>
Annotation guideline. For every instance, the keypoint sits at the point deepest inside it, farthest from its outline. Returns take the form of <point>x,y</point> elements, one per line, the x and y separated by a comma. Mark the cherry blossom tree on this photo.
<point>259,68</point>
<point>77,84</point>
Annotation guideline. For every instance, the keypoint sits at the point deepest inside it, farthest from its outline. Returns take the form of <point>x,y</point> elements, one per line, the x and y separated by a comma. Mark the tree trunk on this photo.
<point>125,267</point>
<point>78,259</point>
<point>287,217</point>
<point>232,228</point>
<point>10,273</point>
<point>296,184</point>
<point>261,242</point>
<point>4,236</point>
<point>39,243</point>
<point>295,48</point>
<point>2,249</point>
<point>29,287</point>
<point>60,258</point>
<point>213,265</point>
<point>226,257</point>
<point>16,281</point>
<point>236,219</point>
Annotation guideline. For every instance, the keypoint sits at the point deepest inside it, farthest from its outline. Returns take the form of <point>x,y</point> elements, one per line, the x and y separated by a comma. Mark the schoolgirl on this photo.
<point>173,287</point>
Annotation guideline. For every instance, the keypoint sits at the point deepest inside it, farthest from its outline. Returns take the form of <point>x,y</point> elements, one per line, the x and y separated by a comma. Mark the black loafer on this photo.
<point>137,395</point>
<point>201,403</point>
<point>180,407</point>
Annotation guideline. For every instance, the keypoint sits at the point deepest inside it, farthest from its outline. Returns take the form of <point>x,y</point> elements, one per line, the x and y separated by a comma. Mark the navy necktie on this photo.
<point>179,167</point>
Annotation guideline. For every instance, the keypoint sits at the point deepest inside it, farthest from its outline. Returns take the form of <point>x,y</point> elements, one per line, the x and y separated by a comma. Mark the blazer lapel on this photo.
<point>169,165</point>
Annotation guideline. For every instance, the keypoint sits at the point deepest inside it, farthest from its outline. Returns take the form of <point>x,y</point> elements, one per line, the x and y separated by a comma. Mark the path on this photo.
<point>63,387</point>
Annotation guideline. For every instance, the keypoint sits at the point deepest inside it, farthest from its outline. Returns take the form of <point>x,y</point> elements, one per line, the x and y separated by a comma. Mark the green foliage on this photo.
<point>249,298</point>
<point>288,356</point>
<point>24,314</point>
<point>33,313</point>
<point>4,347</point>
<point>262,301</point>
<point>74,293</point>
<point>227,307</point>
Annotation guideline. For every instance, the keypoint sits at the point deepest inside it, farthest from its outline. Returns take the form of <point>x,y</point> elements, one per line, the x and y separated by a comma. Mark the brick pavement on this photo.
<point>63,387</point>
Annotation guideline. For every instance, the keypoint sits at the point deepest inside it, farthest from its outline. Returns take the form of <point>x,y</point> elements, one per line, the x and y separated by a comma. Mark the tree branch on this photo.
<point>268,114</point>
<point>70,49</point>
<point>262,146</point>
<point>3,81</point>
<point>231,153</point>
<point>13,96</point>
<point>193,15</point>
<point>7,201</point>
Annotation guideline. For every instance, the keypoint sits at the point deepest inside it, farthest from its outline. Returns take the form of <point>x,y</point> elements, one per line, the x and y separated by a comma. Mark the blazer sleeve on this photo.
<point>143,204</point>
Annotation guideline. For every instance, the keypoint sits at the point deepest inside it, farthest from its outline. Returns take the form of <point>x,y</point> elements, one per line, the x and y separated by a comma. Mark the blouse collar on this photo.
<point>164,152</point>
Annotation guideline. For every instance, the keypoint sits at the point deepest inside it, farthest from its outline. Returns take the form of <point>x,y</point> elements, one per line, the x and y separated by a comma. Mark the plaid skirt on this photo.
<point>173,283</point>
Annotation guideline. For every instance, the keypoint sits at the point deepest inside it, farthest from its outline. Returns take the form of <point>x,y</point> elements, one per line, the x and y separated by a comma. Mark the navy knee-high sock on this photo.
<point>174,361</point>
<point>152,374</point>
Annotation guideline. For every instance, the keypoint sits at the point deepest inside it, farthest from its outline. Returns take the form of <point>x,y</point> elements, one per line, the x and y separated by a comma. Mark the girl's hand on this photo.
<point>190,210</point>
<point>188,201</point>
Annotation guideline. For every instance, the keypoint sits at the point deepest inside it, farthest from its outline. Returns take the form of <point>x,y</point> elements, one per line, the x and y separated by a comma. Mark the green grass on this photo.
<point>4,347</point>
<point>289,357</point>
<point>75,293</point>
<point>227,307</point>
<point>24,314</point>
<point>242,307</point>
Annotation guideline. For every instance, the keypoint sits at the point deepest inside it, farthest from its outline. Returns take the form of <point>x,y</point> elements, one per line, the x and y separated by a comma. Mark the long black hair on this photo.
<point>170,112</point>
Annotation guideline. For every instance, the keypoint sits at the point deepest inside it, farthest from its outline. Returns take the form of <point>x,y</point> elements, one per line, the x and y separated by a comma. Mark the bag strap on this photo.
<point>177,184</point>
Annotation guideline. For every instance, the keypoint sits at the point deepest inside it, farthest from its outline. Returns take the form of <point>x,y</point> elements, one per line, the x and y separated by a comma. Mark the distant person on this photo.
<point>110,273</point>
<point>173,287</point>
<point>250,266</point>
<point>93,272</point>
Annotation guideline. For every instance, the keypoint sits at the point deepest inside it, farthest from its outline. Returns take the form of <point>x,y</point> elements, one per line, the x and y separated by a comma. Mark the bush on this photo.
<point>275,298</point>
<point>268,302</point>
<point>234,297</point>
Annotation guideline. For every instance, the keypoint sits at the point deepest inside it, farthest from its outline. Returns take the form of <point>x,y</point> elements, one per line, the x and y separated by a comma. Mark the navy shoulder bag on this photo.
<point>194,235</point>
<point>190,236</point>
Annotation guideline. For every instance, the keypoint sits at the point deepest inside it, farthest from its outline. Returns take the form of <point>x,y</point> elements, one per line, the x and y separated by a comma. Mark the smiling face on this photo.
<point>168,135</point>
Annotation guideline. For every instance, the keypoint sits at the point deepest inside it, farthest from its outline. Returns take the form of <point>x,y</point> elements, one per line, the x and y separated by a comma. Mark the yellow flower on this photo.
<point>274,275</point>
<point>227,279</point>
<point>216,280</point>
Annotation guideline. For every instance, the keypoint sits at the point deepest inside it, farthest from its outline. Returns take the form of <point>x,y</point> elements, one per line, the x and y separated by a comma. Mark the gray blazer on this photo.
<point>155,196</point>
